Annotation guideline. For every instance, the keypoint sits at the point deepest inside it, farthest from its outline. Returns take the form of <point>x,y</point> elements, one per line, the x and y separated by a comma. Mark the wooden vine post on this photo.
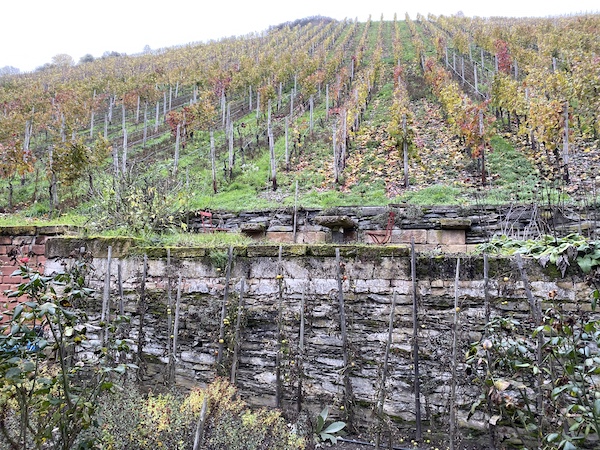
<point>455,325</point>
<point>200,426</point>
<point>486,296</point>
<point>296,213</point>
<point>413,271</point>
<point>237,335</point>
<point>347,400</point>
<point>213,161</point>
<point>142,313</point>
<point>536,314</point>
<point>177,144</point>
<point>120,286</point>
<point>384,370</point>
<point>279,355</point>
<point>176,324</point>
<point>171,364</point>
<point>300,359</point>
<point>273,177</point>
<point>405,152</point>
<point>224,310</point>
<point>287,150</point>
<point>105,315</point>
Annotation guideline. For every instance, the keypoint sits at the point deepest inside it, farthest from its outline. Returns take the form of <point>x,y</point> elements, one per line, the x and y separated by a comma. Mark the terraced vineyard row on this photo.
<point>349,111</point>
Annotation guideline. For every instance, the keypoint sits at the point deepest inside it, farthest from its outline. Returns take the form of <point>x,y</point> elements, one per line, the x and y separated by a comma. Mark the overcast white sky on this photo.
<point>33,31</point>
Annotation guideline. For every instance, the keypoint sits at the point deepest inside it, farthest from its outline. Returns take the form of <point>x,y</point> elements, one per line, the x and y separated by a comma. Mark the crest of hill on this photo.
<point>303,22</point>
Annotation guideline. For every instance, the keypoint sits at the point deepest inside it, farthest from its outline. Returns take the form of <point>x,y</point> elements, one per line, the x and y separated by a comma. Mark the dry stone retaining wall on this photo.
<point>451,228</point>
<point>371,276</point>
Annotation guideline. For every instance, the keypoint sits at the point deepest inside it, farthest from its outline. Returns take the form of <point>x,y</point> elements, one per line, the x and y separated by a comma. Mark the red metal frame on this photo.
<point>383,236</point>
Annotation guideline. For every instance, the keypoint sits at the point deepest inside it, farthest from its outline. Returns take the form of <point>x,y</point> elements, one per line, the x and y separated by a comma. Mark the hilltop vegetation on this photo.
<point>432,110</point>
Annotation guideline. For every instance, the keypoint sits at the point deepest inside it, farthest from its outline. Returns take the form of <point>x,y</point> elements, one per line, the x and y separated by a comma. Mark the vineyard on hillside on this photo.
<point>319,112</point>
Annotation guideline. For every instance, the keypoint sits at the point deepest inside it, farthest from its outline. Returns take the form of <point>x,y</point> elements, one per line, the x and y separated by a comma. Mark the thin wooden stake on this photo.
<point>486,296</point>
<point>171,365</point>
<point>176,322</point>
<point>296,212</point>
<point>120,283</point>
<point>347,400</point>
<point>486,287</point>
<point>454,360</point>
<point>287,151</point>
<point>238,326</point>
<point>536,314</point>
<point>105,316</point>
<point>405,153</point>
<point>413,270</point>
<point>213,162</point>
<point>300,365</point>
<point>278,356</point>
<point>177,142</point>
<point>224,309</point>
<point>142,312</point>
<point>200,427</point>
<point>382,390</point>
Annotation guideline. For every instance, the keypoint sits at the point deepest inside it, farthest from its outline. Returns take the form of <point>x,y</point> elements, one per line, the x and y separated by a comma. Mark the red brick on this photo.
<point>12,280</point>
<point>38,249</point>
<point>5,240</point>
<point>7,270</point>
<point>41,240</point>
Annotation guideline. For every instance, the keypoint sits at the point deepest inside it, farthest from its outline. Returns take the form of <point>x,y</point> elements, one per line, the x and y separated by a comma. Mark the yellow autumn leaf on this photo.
<point>501,385</point>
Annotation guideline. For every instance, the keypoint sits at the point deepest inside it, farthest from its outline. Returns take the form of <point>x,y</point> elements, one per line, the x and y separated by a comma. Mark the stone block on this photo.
<point>280,229</point>
<point>454,248</point>
<point>24,230</point>
<point>378,286</point>
<point>402,287</point>
<point>197,357</point>
<point>427,248</point>
<point>263,287</point>
<point>23,241</point>
<point>455,223</point>
<point>313,237</point>
<point>196,286</point>
<point>405,236</point>
<point>255,251</point>
<point>341,221</point>
<point>283,237</point>
<point>264,268</point>
<point>253,228</point>
<point>55,230</point>
<point>446,237</point>
<point>53,266</point>
<point>296,285</point>
<point>322,286</point>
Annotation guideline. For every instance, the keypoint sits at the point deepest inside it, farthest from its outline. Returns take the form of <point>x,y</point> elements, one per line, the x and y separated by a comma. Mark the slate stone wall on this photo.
<point>371,276</point>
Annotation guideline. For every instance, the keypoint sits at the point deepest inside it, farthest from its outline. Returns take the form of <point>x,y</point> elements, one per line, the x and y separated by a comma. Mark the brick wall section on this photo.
<point>17,243</point>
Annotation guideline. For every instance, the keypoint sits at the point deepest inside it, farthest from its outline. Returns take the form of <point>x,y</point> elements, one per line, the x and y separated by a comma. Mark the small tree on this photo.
<point>47,393</point>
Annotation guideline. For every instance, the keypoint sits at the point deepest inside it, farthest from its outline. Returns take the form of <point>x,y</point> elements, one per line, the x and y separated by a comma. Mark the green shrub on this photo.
<point>134,421</point>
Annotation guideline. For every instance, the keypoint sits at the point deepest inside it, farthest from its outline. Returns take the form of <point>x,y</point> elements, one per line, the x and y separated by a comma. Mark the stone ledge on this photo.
<point>340,221</point>
<point>455,223</point>
<point>34,230</point>
<point>57,247</point>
